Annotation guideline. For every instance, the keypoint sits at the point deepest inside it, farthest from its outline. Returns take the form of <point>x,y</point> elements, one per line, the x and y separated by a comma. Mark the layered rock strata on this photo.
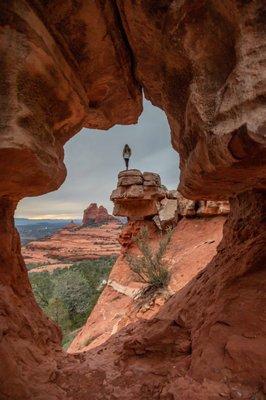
<point>141,196</point>
<point>137,195</point>
<point>72,244</point>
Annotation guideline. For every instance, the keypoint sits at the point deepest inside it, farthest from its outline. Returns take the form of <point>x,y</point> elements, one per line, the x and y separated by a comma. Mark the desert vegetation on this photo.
<point>150,266</point>
<point>68,296</point>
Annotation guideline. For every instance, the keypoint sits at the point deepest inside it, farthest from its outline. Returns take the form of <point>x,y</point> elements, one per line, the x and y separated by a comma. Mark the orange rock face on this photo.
<point>80,75</point>
<point>192,246</point>
<point>69,64</point>
<point>207,341</point>
<point>140,196</point>
<point>195,60</point>
<point>137,195</point>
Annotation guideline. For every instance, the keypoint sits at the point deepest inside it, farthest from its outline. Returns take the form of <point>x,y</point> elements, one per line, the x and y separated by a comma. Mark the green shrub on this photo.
<point>58,312</point>
<point>150,267</point>
<point>42,286</point>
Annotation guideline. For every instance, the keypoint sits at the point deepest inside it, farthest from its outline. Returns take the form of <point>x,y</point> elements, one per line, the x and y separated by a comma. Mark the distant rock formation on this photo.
<point>97,237</point>
<point>74,243</point>
<point>72,225</point>
<point>94,215</point>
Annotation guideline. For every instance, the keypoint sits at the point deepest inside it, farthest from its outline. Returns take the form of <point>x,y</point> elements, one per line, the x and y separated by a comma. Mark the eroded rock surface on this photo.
<point>192,246</point>
<point>141,196</point>
<point>203,63</point>
<point>69,64</point>
<point>208,340</point>
<point>137,195</point>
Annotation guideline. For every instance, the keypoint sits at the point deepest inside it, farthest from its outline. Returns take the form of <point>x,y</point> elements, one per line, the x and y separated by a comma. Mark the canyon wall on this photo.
<point>196,233</point>
<point>208,340</point>
<point>69,64</point>
<point>203,63</point>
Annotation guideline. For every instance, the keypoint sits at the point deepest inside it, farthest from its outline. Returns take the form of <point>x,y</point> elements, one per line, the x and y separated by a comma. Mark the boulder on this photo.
<point>130,180</point>
<point>152,177</point>
<point>135,192</point>
<point>212,208</point>
<point>130,172</point>
<point>150,183</point>
<point>167,215</point>
<point>140,196</point>
<point>185,207</point>
<point>118,193</point>
<point>224,207</point>
<point>137,196</point>
<point>172,194</point>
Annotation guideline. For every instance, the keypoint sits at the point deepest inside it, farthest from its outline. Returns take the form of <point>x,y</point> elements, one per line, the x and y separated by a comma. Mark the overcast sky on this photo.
<point>93,159</point>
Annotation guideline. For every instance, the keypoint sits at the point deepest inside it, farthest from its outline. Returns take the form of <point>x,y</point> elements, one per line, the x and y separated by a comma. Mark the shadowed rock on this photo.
<point>72,64</point>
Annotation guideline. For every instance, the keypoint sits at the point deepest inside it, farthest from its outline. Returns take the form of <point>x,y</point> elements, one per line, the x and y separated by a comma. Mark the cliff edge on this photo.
<point>197,230</point>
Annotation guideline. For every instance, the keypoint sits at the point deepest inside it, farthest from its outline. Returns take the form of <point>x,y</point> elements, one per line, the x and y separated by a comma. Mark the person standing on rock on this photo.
<point>126,154</point>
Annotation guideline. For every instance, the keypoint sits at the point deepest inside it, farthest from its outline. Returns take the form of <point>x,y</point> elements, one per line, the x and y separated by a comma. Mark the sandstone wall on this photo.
<point>68,64</point>
<point>192,246</point>
<point>202,62</point>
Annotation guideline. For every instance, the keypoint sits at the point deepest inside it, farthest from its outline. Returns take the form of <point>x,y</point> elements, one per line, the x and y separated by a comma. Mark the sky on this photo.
<point>93,159</point>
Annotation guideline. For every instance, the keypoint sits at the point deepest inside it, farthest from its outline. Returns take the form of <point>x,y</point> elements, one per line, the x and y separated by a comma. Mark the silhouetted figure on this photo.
<point>126,154</point>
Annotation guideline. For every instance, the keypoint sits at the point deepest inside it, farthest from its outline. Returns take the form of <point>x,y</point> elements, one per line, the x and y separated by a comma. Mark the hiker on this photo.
<point>126,154</point>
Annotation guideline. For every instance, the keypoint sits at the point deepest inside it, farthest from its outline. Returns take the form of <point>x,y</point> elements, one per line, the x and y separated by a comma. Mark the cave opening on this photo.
<point>66,282</point>
<point>74,64</point>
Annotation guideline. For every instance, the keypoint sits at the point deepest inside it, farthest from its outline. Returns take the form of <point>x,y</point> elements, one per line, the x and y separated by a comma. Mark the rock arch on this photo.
<point>70,64</point>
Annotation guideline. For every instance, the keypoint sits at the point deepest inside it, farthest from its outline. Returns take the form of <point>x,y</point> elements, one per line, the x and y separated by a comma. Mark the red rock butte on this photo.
<point>72,64</point>
<point>94,215</point>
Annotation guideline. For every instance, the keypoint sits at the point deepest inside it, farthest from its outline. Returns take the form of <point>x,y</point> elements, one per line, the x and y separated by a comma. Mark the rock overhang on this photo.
<point>140,196</point>
<point>201,62</point>
<point>137,195</point>
<point>87,63</point>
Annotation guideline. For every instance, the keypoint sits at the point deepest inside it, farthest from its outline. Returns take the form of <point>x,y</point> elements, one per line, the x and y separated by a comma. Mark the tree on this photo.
<point>150,268</point>
<point>42,286</point>
<point>57,311</point>
<point>73,290</point>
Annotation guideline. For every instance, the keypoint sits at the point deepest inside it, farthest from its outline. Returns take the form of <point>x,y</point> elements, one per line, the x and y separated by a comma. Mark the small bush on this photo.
<point>150,267</point>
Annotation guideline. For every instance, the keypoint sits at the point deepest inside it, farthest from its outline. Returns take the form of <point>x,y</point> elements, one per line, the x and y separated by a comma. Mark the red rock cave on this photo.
<point>81,63</point>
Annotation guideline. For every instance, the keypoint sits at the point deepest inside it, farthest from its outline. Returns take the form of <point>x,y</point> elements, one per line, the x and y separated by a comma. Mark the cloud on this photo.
<point>94,158</point>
